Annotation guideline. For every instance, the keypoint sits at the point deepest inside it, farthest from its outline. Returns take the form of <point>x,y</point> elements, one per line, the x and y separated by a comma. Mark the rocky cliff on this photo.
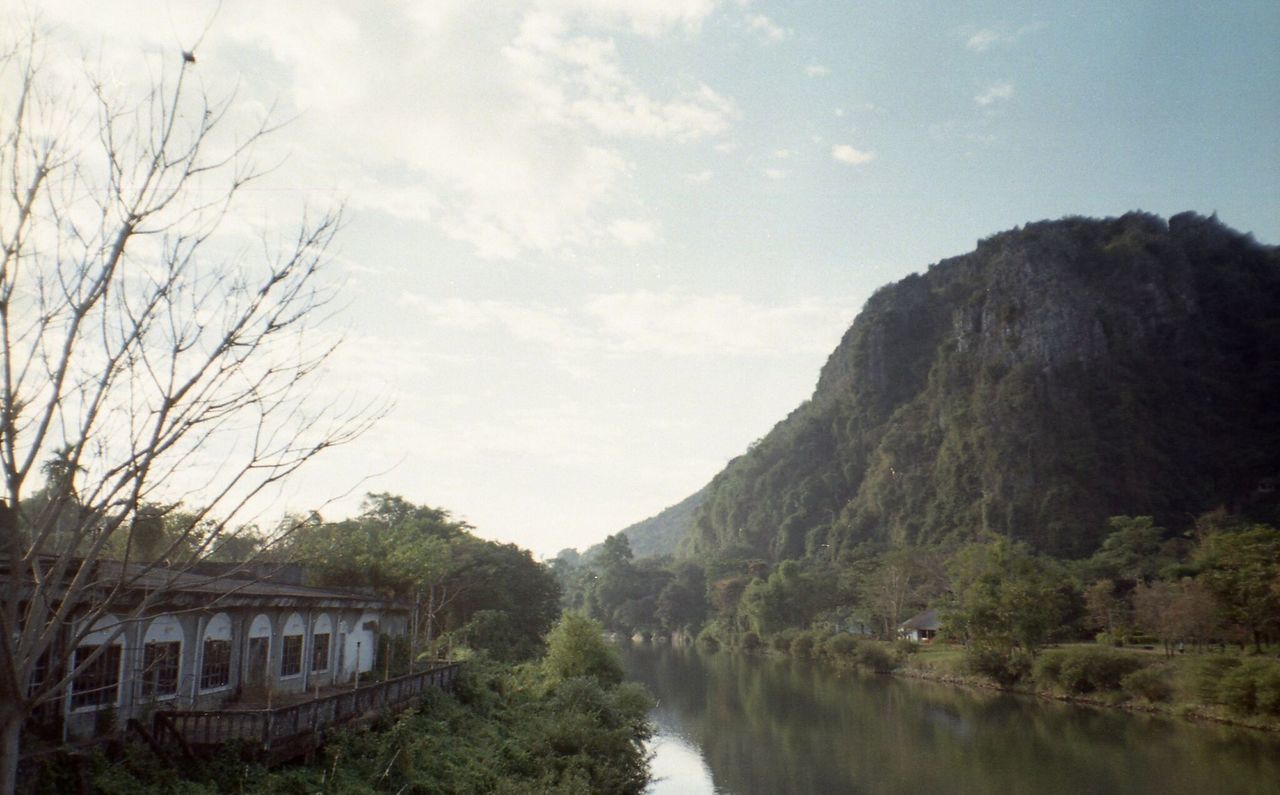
<point>1058,374</point>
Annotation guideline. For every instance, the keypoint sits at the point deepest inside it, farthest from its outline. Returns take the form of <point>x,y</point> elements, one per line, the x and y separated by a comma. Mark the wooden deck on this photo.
<point>297,729</point>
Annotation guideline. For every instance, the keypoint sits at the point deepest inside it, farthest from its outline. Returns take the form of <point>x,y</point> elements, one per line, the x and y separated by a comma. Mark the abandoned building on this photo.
<point>214,641</point>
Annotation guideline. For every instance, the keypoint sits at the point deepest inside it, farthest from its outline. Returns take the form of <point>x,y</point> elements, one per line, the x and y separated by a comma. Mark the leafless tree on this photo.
<point>150,356</point>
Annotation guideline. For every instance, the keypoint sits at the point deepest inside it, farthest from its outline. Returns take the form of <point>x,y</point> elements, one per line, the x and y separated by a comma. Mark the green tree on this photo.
<point>1240,569</point>
<point>1132,550</point>
<point>576,647</point>
<point>1009,603</point>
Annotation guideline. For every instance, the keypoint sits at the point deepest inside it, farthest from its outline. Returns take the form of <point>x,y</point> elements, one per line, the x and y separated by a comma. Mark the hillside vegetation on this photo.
<point>1059,374</point>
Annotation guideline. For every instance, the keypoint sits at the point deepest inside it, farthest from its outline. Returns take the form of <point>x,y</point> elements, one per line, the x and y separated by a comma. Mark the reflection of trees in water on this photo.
<point>781,725</point>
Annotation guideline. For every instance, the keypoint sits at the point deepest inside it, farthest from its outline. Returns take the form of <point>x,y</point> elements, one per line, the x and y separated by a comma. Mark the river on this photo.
<point>734,725</point>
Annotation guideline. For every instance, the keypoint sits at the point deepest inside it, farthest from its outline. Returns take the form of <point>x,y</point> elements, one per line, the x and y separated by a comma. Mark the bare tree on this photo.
<point>150,356</point>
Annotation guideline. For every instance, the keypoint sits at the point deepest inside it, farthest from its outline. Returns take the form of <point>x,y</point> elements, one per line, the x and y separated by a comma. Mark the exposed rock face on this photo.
<point>1059,374</point>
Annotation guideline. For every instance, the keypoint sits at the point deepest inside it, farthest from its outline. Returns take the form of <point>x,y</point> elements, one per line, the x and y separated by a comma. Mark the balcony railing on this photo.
<point>296,729</point>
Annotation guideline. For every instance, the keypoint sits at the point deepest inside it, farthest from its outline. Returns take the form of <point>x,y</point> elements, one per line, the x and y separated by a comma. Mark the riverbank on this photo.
<point>1223,687</point>
<point>1169,686</point>
<point>766,723</point>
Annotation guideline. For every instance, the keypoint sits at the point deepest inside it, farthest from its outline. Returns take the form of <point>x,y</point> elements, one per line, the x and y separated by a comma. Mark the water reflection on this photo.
<point>741,725</point>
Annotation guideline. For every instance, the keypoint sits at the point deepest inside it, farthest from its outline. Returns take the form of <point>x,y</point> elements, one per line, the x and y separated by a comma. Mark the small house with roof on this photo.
<point>921,628</point>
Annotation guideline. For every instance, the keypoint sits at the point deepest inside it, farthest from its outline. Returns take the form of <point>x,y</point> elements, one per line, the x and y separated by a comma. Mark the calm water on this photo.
<point>737,725</point>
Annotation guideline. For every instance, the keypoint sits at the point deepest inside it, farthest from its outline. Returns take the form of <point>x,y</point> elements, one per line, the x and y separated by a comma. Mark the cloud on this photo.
<point>698,177</point>
<point>505,126</point>
<point>845,153</point>
<point>766,28</point>
<point>775,173</point>
<point>983,39</point>
<point>816,70</point>
<point>646,322</point>
<point>995,93</point>
<point>633,232</point>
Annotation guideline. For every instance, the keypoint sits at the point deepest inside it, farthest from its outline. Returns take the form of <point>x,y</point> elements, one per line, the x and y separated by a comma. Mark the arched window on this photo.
<point>321,637</point>
<point>161,657</point>
<point>215,653</point>
<point>98,683</point>
<point>291,646</point>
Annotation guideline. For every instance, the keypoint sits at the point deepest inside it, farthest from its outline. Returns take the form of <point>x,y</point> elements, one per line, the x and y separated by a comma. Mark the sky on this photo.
<point>595,248</point>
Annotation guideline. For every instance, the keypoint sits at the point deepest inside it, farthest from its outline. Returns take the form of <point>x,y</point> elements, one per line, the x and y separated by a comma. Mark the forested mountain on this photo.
<point>1059,374</point>
<point>661,533</point>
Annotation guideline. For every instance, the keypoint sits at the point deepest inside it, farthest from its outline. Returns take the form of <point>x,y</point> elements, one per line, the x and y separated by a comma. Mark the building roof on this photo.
<point>926,620</point>
<point>188,589</point>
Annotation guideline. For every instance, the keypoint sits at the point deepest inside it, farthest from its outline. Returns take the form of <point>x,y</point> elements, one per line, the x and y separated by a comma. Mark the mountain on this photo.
<point>1060,373</point>
<point>660,534</point>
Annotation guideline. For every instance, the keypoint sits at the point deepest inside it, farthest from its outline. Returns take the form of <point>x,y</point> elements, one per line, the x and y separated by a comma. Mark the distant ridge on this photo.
<point>660,534</point>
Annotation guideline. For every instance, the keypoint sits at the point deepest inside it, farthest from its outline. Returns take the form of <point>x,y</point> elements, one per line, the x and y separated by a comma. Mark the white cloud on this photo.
<point>506,126</point>
<point>645,322</point>
<point>983,39</point>
<point>766,28</point>
<point>775,173</point>
<point>698,177</point>
<point>633,231</point>
<point>995,93</point>
<point>845,153</point>
<point>783,154</point>
<point>647,17</point>
<point>816,70</point>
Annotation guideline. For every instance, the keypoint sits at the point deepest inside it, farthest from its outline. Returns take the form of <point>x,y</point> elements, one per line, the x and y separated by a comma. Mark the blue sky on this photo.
<point>597,247</point>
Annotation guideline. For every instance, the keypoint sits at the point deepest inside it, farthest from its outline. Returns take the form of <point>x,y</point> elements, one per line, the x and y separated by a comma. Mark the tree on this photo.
<point>1240,568</point>
<point>576,647</point>
<point>1175,611</point>
<point>149,356</point>
<point>1009,603</point>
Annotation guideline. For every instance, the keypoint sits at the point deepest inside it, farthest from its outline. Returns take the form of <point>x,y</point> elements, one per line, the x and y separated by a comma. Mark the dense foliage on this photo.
<point>504,730</point>
<point>492,597</point>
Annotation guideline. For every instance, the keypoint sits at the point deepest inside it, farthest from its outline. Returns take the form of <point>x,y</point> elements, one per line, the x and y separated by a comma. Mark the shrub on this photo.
<point>874,657</point>
<point>1269,690</point>
<point>803,644</point>
<point>751,642</point>
<point>1206,676</point>
<point>1085,670</point>
<point>576,647</point>
<point>1004,666</point>
<point>708,638</point>
<point>782,640</point>
<point>1238,689</point>
<point>840,647</point>
<point>904,648</point>
<point>1252,686</point>
<point>1149,683</point>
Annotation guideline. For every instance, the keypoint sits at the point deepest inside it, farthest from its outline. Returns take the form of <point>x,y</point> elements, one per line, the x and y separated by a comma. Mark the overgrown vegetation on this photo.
<point>563,724</point>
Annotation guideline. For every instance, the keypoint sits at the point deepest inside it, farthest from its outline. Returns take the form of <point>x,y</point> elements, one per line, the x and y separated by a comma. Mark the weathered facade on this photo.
<point>213,641</point>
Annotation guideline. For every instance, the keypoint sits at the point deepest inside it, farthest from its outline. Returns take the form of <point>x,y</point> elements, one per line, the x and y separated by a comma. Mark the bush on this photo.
<point>803,644</point>
<point>1149,683</point>
<point>782,641</point>
<point>1252,686</point>
<point>1085,670</point>
<point>840,647</point>
<point>1269,690</point>
<point>751,642</point>
<point>1206,676</point>
<point>1004,666</point>
<point>904,648</point>
<point>576,647</point>
<point>874,657</point>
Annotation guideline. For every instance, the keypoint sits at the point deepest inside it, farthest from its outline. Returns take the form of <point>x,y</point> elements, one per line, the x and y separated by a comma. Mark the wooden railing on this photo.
<point>288,728</point>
